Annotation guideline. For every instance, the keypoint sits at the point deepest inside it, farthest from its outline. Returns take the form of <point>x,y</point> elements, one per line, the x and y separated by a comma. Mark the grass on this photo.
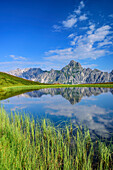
<point>9,80</point>
<point>26,144</point>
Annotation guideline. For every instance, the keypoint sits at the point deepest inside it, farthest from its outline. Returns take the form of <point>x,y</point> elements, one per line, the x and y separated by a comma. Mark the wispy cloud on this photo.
<point>78,10</point>
<point>88,45</point>
<point>17,57</point>
<point>12,65</point>
<point>71,35</point>
<point>57,28</point>
<point>72,19</point>
<point>83,28</point>
<point>70,22</point>
<point>91,29</point>
<point>106,42</point>
<point>91,41</point>
<point>62,51</point>
<point>83,17</point>
<point>89,65</point>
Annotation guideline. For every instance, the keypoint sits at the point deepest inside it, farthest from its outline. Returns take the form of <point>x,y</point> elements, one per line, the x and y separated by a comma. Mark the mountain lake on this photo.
<point>92,107</point>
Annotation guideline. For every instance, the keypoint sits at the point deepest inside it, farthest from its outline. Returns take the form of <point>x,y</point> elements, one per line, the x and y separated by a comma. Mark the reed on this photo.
<point>29,144</point>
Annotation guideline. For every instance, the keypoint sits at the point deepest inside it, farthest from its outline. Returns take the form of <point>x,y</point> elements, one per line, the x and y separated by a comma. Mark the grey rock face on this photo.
<point>73,73</point>
<point>111,76</point>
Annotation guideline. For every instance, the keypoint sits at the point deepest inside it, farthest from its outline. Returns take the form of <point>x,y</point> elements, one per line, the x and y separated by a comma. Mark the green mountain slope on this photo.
<point>9,80</point>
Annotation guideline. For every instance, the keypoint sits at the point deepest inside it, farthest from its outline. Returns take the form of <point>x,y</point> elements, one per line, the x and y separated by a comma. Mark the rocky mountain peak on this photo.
<point>111,72</point>
<point>73,73</point>
<point>38,70</point>
<point>74,64</point>
<point>52,70</point>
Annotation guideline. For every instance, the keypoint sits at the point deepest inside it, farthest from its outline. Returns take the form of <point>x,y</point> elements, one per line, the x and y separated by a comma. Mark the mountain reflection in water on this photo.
<point>73,95</point>
<point>92,107</point>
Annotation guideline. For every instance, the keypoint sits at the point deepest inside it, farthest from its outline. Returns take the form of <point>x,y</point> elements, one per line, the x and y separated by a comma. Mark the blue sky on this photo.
<point>48,34</point>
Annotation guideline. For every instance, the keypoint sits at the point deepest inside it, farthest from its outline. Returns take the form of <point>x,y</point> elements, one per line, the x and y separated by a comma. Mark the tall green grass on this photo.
<point>26,144</point>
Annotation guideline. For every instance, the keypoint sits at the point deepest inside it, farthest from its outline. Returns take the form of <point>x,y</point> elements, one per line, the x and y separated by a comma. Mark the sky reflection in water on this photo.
<point>90,106</point>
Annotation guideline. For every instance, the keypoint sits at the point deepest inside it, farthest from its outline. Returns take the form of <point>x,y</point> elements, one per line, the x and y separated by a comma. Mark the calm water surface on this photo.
<point>92,107</point>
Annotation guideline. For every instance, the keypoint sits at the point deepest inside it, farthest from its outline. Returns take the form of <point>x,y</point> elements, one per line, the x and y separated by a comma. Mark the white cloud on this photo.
<point>92,28</point>
<point>89,65</point>
<point>89,45</point>
<point>78,10</point>
<point>82,5</point>
<point>71,19</point>
<point>75,40</point>
<point>99,34</point>
<point>17,57</point>
<point>69,22</point>
<point>71,36</point>
<point>105,43</point>
<point>72,43</point>
<point>45,65</point>
<point>83,17</point>
<point>66,51</point>
<point>93,42</point>
<point>57,28</point>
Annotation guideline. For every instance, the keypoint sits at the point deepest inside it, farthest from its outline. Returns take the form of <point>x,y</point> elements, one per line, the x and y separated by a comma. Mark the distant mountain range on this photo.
<point>73,73</point>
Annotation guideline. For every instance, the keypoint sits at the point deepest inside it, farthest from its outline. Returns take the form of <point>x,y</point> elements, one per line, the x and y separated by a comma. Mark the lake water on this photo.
<point>92,107</point>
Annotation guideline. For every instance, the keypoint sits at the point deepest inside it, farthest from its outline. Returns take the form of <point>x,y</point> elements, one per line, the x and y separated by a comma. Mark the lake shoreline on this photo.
<point>33,87</point>
<point>10,91</point>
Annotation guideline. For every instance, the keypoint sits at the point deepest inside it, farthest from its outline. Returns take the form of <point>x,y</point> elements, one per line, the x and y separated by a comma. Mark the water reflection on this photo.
<point>73,95</point>
<point>90,106</point>
<point>96,118</point>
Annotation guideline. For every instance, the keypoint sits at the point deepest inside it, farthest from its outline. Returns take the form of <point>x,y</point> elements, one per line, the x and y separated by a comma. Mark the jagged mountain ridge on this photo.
<point>73,73</point>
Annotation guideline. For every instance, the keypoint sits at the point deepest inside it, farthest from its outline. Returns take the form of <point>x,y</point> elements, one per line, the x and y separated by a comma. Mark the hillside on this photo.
<point>73,73</point>
<point>10,80</point>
